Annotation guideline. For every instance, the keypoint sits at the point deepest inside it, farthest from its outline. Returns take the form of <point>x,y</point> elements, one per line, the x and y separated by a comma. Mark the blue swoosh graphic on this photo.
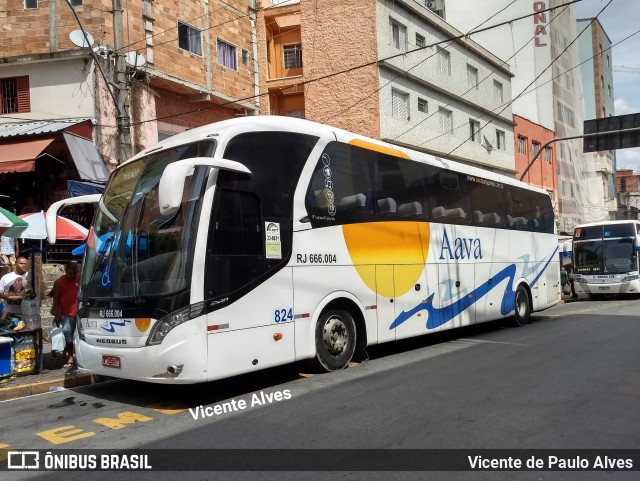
<point>437,316</point>
<point>448,285</point>
<point>526,268</point>
<point>112,325</point>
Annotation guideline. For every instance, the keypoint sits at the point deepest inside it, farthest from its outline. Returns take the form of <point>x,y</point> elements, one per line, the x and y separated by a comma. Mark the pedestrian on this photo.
<point>570,281</point>
<point>65,306</point>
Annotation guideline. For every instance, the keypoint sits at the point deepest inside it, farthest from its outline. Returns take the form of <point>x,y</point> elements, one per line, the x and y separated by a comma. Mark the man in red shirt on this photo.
<point>65,306</point>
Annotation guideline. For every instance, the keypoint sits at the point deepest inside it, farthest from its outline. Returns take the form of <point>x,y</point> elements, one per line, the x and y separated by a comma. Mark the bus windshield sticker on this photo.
<point>272,238</point>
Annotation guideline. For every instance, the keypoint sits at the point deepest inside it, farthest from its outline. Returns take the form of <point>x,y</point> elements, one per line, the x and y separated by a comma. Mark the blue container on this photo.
<point>6,356</point>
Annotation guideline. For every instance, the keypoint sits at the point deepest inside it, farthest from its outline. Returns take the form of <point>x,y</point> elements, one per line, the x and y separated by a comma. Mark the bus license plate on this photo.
<point>111,361</point>
<point>603,288</point>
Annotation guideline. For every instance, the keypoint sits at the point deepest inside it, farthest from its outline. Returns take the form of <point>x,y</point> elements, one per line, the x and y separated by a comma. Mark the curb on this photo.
<point>8,393</point>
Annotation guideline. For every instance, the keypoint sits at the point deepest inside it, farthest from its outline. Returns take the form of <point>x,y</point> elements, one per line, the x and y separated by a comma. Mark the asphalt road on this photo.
<point>569,380</point>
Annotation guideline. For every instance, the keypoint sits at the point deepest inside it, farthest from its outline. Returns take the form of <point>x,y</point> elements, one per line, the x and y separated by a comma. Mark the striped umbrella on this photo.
<point>10,224</point>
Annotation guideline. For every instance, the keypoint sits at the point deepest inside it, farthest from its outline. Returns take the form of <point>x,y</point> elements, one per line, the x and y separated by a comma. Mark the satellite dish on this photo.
<point>78,39</point>
<point>134,59</point>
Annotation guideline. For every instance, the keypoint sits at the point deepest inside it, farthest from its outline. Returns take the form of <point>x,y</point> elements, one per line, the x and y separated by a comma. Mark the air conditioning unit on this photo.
<point>434,5</point>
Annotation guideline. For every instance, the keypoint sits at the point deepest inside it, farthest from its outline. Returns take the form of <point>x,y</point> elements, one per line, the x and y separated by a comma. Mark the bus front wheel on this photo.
<point>522,307</point>
<point>335,340</point>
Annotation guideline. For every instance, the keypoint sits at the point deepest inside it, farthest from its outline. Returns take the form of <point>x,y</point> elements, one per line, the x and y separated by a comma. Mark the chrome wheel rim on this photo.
<point>335,335</point>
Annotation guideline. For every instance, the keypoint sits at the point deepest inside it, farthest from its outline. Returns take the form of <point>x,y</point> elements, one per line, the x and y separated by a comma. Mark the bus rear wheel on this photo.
<point>335,340</point>
<point>522,307</point>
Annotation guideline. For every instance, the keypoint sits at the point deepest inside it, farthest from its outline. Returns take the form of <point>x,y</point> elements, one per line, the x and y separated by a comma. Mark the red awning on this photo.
<point>21,156</point>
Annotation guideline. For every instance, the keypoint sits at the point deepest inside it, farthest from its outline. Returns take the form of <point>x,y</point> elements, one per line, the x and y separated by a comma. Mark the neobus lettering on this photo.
<point>462,248</point>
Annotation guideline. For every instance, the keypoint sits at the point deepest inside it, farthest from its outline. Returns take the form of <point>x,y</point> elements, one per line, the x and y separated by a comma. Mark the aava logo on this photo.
<point>462,248</point>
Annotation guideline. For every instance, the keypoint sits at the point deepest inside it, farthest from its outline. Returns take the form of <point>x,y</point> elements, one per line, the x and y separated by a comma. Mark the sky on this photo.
<point>619,20</point>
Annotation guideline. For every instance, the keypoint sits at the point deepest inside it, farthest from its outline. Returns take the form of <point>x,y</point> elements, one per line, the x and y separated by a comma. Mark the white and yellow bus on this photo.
<point>260,241</point>
<point>605,258</point>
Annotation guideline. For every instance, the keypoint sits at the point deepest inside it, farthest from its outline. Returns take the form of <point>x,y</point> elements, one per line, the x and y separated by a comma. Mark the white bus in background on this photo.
<point>260,241</point>
<point>605,258</point>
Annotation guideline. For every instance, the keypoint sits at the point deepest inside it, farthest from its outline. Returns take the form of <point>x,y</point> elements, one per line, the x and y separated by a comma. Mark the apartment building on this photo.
<point>531,138</point>
<point>392,70</point>
<point>598,101</point>
<point>543,53</point>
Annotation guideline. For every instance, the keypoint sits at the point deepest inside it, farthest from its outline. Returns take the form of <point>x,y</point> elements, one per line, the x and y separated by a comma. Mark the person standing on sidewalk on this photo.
<point>65,306</point>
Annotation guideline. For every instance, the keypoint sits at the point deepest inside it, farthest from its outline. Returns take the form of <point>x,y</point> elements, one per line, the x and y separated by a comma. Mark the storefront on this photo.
<point>38,162</point>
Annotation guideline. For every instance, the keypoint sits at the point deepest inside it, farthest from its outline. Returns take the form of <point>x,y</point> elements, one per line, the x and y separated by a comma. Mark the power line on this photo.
<point>536,87</point>
<point>536,78</point>
<point>467,91</point>
<point>360,66</point>
<point>470,32</point>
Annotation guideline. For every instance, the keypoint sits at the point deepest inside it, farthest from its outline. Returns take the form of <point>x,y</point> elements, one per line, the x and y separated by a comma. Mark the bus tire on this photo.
<point>335,340</point>
<point>522,312</point>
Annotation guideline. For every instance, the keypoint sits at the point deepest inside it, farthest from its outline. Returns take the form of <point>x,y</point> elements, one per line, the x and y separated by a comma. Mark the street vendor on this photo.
<point>13,286</point>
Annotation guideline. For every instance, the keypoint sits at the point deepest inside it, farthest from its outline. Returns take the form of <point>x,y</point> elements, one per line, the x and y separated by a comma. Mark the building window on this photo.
<point>572,191</point>
<point>535,148</point>
<point>547,155</point>
<point>269,51</point>
<point>474,130</point>
<point>604,112</point>
<point>498,93</point>
<point>609,90</point>
<point>399,105</point>
<point>14,95</point>
<point>30,3</point>
<point>562,151</point>
<point>472,77</point>
<point>245,57</point>
<point>298,114</point>
<point>189,38</point>
<point>76,3</point>
<point>446,119</point>
<point>292,56</point>
<point>422,105</point>
<point>501,140</point>
<point>398,36</point>
<point>522,145</point>
<point>601,81</point>
<point>444,61</point>
<point>608,61</point>
<point>564,187</point>
<point>420,40</point>
<point>565,115</point>
<point>227,55</point>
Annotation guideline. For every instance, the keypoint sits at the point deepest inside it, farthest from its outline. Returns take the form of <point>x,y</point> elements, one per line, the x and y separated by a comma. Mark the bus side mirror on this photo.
<point>171,187</point>
<point>52,212</point>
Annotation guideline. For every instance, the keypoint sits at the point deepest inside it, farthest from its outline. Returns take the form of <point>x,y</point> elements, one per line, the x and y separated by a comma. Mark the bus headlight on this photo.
<point>630,278</point>
<point>164,325</point>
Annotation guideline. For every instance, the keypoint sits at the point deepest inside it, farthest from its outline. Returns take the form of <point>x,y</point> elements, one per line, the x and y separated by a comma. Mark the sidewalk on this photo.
<point>53,377</point>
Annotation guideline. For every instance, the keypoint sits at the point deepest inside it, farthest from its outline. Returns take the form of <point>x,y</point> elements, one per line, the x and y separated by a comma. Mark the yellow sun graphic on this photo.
<point>404,245</point>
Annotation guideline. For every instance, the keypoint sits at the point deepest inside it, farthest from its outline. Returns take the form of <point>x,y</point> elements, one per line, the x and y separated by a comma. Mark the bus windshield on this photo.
<point>605,250</point>
<point>131,249</point>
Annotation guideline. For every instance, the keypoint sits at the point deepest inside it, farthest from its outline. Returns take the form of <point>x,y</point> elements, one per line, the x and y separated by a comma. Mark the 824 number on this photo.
<point>283,315</point>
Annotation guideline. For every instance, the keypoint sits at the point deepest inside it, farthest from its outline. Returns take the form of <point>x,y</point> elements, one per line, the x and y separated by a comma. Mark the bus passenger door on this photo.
<point>455,297</point>
<point>410,311</point>
<point>385,298</point>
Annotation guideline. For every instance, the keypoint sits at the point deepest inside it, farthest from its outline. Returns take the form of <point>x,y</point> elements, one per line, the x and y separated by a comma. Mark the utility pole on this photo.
<point>122,91</point>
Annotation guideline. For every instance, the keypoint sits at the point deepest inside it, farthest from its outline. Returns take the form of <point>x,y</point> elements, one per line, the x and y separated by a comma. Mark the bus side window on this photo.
<point>400,189</point>
<point>340,190</point>
<point>448,193</point>
<point>521,209</point>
